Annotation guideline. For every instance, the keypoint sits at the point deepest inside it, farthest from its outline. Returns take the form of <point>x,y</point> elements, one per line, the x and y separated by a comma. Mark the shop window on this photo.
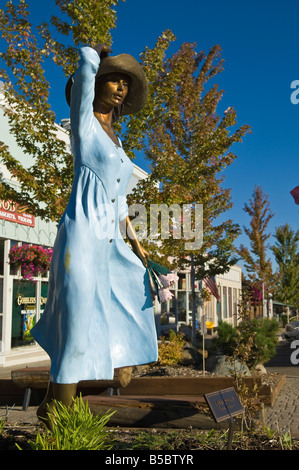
<point>23,313</point>
<point>168,311</point>
<point>1,257</point>
<point>229,301</point>
<point>224,303</point>
<point>235,306</point>
<point>1,294</point>
<point>182,281</point>
<point>235,301</point>
<point>219,310</point>
<point>182,306</point>
<point>209,310</point>
<point>1,337</point>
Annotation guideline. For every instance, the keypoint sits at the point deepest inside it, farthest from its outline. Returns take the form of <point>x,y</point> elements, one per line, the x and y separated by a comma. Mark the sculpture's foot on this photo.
<point>64,393</point>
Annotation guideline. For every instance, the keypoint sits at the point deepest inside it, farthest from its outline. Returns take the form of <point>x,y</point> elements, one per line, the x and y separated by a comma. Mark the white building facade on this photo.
<point>178,311</point>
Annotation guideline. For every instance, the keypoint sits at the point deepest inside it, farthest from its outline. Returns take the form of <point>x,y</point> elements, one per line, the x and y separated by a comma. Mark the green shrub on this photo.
<point>171,349</point>
<point>226,339</point>
<point>74,428</point>
<point>260,333</point>
<point>251,342</point>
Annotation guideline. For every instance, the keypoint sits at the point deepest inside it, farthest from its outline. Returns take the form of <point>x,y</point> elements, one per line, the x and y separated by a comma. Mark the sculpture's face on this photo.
<point>112,89</point>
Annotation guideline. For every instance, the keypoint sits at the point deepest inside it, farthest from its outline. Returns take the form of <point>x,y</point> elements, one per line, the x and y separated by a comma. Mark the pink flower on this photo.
<point>164,294</point>
<point>169,279</point>
<point>31,259</point>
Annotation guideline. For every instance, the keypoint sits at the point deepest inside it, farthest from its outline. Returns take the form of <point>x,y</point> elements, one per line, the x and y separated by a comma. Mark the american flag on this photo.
<point>211,285</point>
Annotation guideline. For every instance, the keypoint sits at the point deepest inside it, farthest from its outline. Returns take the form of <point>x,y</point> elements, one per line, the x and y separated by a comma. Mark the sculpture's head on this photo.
<point>122,67</point>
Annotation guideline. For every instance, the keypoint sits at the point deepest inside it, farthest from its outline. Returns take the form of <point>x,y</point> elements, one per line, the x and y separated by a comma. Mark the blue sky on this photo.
<point>260,46</point>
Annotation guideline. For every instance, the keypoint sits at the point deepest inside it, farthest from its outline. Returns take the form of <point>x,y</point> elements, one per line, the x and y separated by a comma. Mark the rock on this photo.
<point>225,366</point>
<point>190,355</point>
<point>260,368</point>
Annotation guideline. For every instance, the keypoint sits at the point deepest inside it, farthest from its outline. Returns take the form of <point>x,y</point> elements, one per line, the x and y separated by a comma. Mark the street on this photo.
<point>285,359</point>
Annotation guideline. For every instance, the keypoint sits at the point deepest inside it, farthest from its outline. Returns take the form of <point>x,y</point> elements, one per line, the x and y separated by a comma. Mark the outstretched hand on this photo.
<point>103,50</point>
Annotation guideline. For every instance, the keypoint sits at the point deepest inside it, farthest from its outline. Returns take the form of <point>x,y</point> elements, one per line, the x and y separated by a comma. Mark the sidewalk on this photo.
<point>284,415</point>
<point>15,415</point>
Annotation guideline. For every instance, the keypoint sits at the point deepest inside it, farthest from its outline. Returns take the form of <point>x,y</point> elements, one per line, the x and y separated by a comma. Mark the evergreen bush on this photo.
<point>251,342</point>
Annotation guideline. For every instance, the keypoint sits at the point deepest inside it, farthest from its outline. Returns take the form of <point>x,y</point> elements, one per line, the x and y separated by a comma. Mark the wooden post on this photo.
<point>203,354</point>
<point>230,433</point>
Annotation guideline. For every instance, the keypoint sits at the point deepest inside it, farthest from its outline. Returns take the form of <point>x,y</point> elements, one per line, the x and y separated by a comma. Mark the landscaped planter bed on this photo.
<point>161,401</point>
<point>267,387</point>
<point>177,402</point>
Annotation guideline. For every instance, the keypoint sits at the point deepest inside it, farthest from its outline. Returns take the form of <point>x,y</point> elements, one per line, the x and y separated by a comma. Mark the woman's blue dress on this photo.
<point>99,313</point>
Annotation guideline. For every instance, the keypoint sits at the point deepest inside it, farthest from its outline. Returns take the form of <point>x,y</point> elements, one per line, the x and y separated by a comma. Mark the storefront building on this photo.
<point>178,311</point>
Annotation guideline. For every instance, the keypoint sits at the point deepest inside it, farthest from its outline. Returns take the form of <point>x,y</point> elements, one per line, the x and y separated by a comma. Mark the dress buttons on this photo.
<point>110,241</point>
<point>121,160</point>
<point>118,180</point>
<point>112,200</point>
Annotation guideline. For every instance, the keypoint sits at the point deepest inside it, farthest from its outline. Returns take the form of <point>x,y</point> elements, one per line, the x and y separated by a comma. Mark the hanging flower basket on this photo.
<point>33,260</point>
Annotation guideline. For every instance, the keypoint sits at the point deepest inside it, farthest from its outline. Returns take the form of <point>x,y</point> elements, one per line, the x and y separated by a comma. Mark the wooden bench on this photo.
<point>37,378</point>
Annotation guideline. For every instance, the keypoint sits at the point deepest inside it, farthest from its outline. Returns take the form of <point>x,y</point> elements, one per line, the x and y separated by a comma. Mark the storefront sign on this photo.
<point>29,300</point>
<point>15,213</point>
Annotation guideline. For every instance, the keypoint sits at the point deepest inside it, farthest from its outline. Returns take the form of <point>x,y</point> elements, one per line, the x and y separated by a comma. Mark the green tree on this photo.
<point>186,141</point>
<point>286,255</point>
<point>188,146</point>
<point>45,183</point>
<point>256,261</point>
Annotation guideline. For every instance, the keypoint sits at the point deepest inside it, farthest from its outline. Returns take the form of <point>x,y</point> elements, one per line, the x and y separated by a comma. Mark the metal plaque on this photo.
<point>224,404</point>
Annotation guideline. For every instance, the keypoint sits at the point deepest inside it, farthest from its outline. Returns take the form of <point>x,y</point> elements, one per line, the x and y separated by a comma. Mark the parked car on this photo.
<point>291,331</point>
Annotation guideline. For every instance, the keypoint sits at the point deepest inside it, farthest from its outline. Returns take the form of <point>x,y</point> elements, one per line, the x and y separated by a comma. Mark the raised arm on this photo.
<point>83,89</point>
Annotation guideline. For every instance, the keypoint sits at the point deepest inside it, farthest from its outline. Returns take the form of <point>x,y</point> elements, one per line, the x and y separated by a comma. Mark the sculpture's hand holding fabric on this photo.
<point>138,249</point>
<point>103,50</point>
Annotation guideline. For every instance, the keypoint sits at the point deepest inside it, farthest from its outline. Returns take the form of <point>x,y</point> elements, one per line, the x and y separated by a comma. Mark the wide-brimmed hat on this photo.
<point>127,64</point>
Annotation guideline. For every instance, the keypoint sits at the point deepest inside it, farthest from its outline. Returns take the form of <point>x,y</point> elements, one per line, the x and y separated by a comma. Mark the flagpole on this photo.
<point>203,346</point>
<point>203,332</point>
<point>193,301</point>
